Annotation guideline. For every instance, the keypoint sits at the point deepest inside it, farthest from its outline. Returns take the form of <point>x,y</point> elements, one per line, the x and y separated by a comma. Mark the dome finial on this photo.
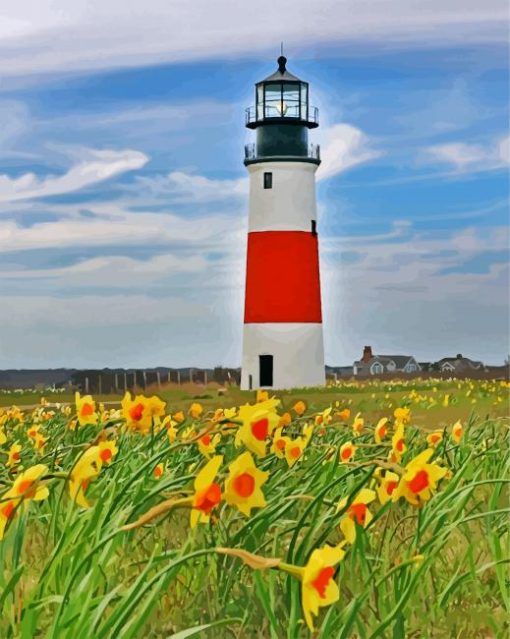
<point>282,60</point>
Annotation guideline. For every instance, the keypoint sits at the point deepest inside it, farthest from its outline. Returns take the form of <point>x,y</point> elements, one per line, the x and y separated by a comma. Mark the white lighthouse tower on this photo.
<point>282,339</point>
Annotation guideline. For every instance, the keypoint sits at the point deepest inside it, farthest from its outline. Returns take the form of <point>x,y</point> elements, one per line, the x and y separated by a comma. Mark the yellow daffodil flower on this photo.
<point>242,487</point>
<point>457,431</point>
<point>420,479</point>
<point>299,408</point>
<point>347,451</point>
<point>381,430</point>
<point>357,512</point>
<point>207,493</point>
<point>85,409</point>
<point>259,421</point>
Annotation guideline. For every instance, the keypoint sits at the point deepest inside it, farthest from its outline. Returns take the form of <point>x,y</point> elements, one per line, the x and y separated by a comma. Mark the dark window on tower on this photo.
<point>314,227</point>
<point>268,180</point>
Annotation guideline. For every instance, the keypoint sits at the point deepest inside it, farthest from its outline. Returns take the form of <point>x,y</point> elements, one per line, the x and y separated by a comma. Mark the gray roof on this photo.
<point>281,76</point>
<point>459,363</point>
<point>400,360</point>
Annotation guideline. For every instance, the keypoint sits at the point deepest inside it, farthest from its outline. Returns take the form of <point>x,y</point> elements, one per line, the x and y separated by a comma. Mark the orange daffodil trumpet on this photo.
<point>243,485</point>
<point>85,409</point>
<point>420,479</point>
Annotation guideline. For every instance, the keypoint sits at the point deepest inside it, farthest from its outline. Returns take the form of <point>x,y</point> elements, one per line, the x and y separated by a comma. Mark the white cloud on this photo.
<point>345,146</point>
<point>112,225</point>
<point>113,33</point>
<point>94,166</point>
<point>463,157</point>
<point>180,186</point>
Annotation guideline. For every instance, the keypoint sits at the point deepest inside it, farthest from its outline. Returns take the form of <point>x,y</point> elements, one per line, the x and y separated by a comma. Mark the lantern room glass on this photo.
<point>282,100</point>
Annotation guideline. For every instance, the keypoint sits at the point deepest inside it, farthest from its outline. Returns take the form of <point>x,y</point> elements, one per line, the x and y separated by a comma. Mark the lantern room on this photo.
<point>282,97</point>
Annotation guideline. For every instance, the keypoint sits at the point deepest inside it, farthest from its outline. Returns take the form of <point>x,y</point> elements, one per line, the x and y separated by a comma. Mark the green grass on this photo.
<point>437,572</point>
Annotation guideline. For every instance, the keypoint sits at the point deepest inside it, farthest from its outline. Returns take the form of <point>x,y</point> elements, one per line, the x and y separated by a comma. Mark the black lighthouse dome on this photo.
<point>282,116</point>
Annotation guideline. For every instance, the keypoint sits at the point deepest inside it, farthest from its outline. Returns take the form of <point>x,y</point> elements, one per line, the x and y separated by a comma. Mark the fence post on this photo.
<point>190,374</point>
<point>205,378</point>
<point>158,375</point>
<point>144,375</point>
<point>179,377</point>
<point>86,385</point>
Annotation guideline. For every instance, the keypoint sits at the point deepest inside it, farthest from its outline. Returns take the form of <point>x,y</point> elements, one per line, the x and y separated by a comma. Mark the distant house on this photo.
<point>371,364</point>
<point>458,364</point>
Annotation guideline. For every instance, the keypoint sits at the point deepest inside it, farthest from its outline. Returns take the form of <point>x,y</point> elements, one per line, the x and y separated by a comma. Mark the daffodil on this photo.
<point>158,470</point>
<point>279,443</point>
<point>387,484</point>
<point>26,487</point>
<point>285,420</point>
<point>85,409</point>
<point>299,408</point>
<point>207,444</point>
<point>357,424</point>
<point>324,417</point>
<point>107,450</point>
<point>420,479</point>
<point>195,410</point>
<point>294,450</point>
<point>402,415</point>
<point>13,455</point>
<point>457,431</point>
<point>156,406</point>
<point>179,416</point>
<point>356,513</point>
<point>262,396</point>
<point>347,451</point>
<point>435,438</point>
<point>207,493</point>
<point>40,442</point>
<point>243,485</point>
<point>86,468</point>
<point>343,414</point>
<point>137,413</point>
<point>398,444</point>
<point>380,430</point>
<point>318,586</point>
<point>258,423</point>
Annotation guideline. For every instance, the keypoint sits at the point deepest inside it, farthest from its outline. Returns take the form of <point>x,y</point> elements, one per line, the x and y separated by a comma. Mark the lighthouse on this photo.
<point>282,336</point>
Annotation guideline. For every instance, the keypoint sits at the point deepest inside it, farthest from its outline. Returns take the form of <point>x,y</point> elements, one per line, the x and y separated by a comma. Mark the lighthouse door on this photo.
<point>266,370</point>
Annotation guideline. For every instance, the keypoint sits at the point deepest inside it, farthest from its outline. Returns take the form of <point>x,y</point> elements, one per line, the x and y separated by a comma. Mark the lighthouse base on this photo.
<point>282,355</point>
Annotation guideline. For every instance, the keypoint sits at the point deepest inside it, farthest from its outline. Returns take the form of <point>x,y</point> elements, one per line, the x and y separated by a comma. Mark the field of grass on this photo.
<point>191,517</point>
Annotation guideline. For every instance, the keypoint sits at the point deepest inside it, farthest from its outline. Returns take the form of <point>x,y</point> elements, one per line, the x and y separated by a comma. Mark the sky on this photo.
<point>123,194</point>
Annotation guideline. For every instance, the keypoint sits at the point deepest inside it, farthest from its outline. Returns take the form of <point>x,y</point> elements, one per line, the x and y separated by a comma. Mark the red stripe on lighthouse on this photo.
<point>282,278</point>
